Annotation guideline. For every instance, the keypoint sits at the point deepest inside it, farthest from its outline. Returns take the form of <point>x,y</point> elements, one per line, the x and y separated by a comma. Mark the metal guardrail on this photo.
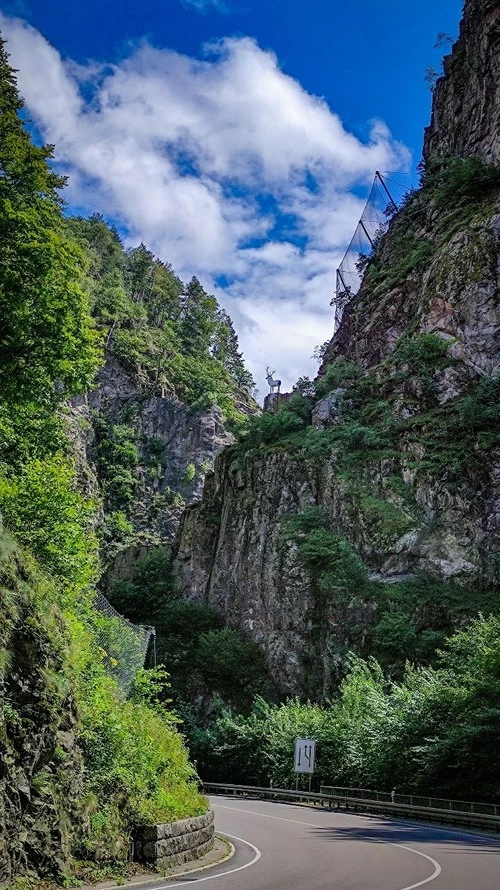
<point>432,814</point>
<point>418,800</point>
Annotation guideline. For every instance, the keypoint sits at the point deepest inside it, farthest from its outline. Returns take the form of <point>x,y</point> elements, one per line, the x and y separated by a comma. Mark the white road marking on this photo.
<point>437,867</point>
<point>223,874</point>
<point>266,815</point>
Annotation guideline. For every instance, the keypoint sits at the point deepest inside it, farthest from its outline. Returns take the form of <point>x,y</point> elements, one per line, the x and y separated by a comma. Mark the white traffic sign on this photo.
<point>305,752</point>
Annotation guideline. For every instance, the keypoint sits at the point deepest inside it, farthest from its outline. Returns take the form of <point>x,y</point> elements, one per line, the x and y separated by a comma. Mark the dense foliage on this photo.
<point>56,678</point>
<point>163,340</point>
<point>48,344</point>
<point>174,338</point>
<point>209,663</point>
<point>415,735</point>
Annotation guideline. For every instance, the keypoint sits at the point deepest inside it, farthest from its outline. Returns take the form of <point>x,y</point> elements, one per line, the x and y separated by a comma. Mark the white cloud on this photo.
<point>202,159</point>
<point>206,5</point>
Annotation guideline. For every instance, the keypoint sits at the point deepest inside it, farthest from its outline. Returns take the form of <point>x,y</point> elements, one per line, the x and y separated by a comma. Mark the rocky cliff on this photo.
<point>466,109</point>
<point>145,456</point>
<point>41,769</point>
<point>388,471</point>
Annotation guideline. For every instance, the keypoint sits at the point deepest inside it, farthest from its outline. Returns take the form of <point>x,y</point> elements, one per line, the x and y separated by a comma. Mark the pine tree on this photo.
<point>139,273</point>
<point>226,350</point>
<point>165,294</point>
<point>198,320</point>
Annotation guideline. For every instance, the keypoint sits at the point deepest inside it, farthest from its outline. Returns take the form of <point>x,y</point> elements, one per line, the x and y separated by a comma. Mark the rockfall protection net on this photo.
<point>122,645</point>
<point>385,196</point>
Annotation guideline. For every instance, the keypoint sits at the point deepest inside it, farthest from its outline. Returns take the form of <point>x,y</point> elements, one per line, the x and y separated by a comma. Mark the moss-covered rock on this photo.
<point>41,770</point>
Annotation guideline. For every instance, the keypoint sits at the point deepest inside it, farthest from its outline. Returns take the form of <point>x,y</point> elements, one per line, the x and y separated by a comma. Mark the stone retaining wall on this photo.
<point>174,843</point>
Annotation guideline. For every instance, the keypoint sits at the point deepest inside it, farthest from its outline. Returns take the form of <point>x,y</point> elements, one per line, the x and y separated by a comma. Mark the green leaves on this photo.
<point>334,566</point>
<point>205,660</point>
<point>435,732</point>
<point>47,337</point>
<point>175,340</point>
<point>44,508</point>
<point>453,181</point>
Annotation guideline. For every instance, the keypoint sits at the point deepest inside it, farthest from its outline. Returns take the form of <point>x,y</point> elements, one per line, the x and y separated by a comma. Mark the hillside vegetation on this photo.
<point>175,338</point>
<point>82,763</point>
<point>433,733</point>
<point>365,504</point>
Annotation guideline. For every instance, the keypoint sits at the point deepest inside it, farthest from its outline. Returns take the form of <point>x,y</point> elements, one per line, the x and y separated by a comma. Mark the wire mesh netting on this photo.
<point>122,645</point>
<point>385,196</point>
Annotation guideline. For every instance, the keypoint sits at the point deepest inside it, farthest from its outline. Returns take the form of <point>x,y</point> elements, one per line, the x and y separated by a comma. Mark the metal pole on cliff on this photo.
<point>382,183</point>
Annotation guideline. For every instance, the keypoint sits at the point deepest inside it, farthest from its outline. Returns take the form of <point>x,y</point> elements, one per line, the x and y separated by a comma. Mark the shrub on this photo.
<point>189,474</point>
<point>334,566</point>
<point>231,666</point>
<point>205,660</point>
<point>44,508</point>
<point>453,180</point>
<point>421,352</point>
<point>268,429</point>
<point>338,373</point>
<point>416,735</point>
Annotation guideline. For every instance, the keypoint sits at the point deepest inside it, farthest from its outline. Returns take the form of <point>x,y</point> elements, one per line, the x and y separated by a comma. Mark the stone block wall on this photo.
<point>174,843</point>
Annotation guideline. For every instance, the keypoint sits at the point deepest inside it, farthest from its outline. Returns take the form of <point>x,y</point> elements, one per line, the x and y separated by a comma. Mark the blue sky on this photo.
<point>235,137</point>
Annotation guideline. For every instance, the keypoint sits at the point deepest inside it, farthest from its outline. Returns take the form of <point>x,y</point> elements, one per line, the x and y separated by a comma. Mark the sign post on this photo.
<point>305,753</point>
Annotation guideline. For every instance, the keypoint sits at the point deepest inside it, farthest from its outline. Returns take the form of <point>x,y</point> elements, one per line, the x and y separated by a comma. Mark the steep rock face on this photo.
<point>171,448</point>
<point>454,295</point>
<point>437,272</point>
<point>40,765</point>
<point>466,108</point>
<point>232,556</point>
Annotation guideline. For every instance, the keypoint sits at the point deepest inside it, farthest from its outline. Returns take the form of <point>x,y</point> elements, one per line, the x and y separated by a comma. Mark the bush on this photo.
<point>337,374</point>
<point>205,660</point>
<point>416,735</point>
<point>44,508</point>
<point>136,764</point>
<point>268,429</point>
<point>231,666</point>
<point>334,566</point>
<point>189,474</point>
<point>421,353</point>
<point>454,180</point>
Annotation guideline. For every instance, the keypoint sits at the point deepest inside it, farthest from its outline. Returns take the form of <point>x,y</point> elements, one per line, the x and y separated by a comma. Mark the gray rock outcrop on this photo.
<point>175,445</point>
<point>231,551</point>
<point>466,107</point>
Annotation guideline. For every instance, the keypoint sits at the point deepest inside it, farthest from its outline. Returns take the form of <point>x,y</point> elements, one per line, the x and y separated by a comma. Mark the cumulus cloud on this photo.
<point>224,165</point>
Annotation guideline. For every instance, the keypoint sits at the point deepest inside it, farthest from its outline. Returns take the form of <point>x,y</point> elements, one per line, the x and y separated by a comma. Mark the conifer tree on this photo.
<point>199,318</point>
<point>226,350</point>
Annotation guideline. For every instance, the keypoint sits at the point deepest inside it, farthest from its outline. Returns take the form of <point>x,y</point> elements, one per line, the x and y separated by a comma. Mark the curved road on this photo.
<point>289,847</point>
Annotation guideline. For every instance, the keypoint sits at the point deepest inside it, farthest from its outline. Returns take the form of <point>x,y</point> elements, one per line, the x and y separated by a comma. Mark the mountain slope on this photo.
<point>364,515</point>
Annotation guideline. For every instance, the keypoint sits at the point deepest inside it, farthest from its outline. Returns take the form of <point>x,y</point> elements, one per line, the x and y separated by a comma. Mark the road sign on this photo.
<point>305,751</point>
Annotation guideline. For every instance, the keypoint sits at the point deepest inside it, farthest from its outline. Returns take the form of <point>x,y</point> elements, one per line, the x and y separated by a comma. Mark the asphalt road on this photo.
<point>289,847</point>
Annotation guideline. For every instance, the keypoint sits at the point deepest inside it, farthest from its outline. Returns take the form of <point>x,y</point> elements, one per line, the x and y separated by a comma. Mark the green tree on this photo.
<point>47,344</point>
<point>44,507</point>
<point>105,269</point>
<point>198,319</point>
<point>226,350</point>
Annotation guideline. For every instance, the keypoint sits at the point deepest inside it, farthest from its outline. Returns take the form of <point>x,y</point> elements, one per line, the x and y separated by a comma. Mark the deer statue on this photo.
<point>274,385</point>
